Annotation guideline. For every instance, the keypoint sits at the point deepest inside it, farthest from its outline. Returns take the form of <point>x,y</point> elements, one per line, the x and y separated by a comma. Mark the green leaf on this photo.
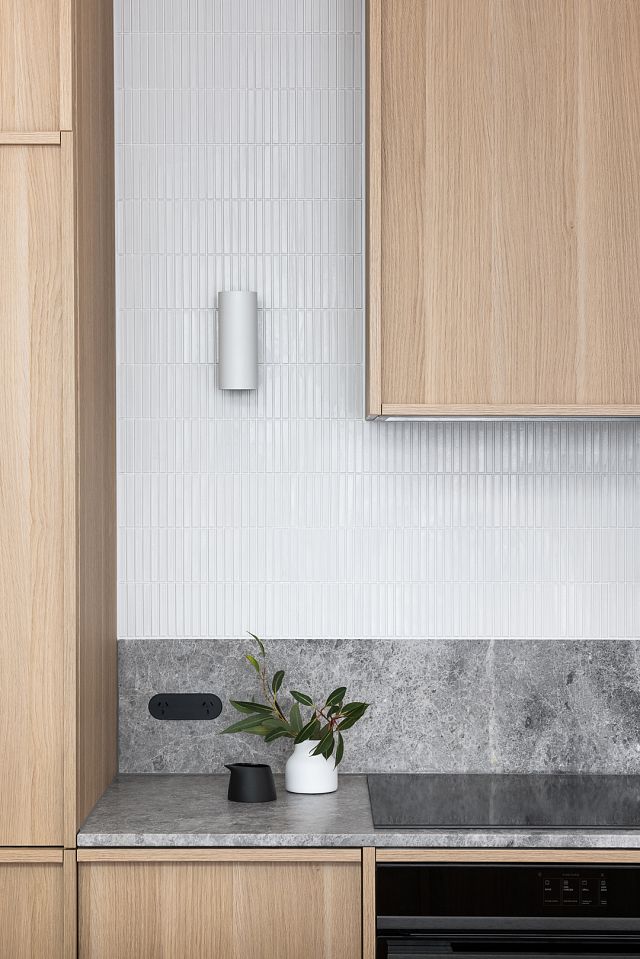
<point>352,717</point>
<point>345,724</point>
<point>244,707</point>
<point>322,730</point>
<point>301,698</point>
<point>277,680</point>
<point>358,710</point>
<point>254,662</point>
<point>307,731</point>
<point>259,730</point>
<point>325,746</point>
<point>336,696</point>
<point>351,707</point>
<point>271,722</point>
<point>276,734</point>
<point>328,750</point>
<point>241,707</point>
<point>295,719</point>
<point>339,749</point>
<point>258,641</point>
<point>252,725</point>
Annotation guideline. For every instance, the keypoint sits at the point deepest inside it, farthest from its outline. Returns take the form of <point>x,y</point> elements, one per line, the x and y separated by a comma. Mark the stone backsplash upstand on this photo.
<point>454,705</point>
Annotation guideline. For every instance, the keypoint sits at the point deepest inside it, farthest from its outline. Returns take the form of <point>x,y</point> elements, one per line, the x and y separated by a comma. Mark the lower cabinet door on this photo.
<point>260,908</point>
<point>31,904</point>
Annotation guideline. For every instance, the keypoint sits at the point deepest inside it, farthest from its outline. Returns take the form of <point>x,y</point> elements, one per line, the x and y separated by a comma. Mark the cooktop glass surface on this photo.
<point>481,801</point>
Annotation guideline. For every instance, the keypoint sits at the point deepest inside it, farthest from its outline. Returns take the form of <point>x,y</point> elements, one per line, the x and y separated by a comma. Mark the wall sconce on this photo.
<point>237,340</point>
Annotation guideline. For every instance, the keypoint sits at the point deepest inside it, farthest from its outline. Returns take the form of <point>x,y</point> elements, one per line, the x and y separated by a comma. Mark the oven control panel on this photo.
<point>573,890</point>
<point>446,893</point>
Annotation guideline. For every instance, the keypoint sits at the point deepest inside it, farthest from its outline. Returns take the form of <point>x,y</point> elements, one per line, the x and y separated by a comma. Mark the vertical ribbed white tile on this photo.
<point>240,164</point>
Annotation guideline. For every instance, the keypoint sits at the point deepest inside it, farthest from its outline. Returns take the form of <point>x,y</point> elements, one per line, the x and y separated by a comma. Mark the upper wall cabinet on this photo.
<point>35,65</point>
<point>504,207</point>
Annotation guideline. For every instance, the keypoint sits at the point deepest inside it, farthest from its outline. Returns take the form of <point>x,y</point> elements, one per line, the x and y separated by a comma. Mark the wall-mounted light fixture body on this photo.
<point>237,340</point>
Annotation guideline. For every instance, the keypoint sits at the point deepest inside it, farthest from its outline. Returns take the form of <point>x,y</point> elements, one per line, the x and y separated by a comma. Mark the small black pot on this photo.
<point>251,782</point>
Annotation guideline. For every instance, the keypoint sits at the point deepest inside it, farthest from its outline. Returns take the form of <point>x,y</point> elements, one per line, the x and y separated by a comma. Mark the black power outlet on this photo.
<point>185,706</point>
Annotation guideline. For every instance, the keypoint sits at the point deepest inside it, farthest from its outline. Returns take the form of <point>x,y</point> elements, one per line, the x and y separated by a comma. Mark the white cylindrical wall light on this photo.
<point>237,340</point>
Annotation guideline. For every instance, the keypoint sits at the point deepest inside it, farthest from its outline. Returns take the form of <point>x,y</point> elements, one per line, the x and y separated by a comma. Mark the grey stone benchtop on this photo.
<point>178,810</point>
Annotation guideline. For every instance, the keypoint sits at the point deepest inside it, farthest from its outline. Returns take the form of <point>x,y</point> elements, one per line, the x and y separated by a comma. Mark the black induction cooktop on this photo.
<point>488,801</point>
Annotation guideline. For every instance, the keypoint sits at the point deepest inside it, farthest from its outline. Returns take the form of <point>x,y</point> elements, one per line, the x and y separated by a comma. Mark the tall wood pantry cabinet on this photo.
<point>57,460</point>
<point>503,207</point>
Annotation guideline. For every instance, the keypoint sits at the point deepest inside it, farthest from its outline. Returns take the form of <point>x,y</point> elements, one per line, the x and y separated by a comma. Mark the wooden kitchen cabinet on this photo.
<point>58,687</point>
<point>33,327</point>
<point>504,207</point>
<point>32,893</point>
<point>35,65</point>
<point>236,903</point>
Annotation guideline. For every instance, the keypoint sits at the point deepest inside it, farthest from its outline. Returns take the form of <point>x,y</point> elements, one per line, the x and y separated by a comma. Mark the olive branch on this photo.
<point>326,722</point>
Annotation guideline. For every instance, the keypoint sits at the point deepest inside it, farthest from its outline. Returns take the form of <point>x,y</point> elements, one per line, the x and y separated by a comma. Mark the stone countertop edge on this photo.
<point>156,811</point>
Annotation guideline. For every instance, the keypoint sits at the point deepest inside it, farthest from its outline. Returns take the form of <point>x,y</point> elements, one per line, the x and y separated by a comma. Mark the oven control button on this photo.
<point>570,894</point>
<point>552,892</point>
<point>589,892</point>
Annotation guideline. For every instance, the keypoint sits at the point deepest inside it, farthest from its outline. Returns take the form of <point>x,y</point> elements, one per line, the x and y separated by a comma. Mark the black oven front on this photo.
<point>507,911</point>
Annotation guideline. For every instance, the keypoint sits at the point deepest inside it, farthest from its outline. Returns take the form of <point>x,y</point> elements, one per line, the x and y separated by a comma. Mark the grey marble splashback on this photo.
<point>451,705</point>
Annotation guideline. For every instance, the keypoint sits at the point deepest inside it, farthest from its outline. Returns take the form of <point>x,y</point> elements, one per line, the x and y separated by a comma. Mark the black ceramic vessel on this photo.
<point>251,782</point>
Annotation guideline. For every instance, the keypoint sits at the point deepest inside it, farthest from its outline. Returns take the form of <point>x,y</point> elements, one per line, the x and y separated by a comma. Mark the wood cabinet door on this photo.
<point>31,904</point>
<point>32,328</point>
<point>35,65</point>
<point>504,207</point>
<point>239,910</point>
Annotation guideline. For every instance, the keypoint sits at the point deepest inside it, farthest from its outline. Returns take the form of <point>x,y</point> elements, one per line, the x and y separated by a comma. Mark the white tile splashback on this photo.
<point>240,164</point>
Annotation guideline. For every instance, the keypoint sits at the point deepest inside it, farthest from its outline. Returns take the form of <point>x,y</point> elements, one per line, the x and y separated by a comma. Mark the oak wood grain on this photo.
<point>58,682</point>
<point>369,903</point>
<point>31,66</point>
<point>609,202</point>
<point>509,855</point>
<point>220,854</point>
<point>69,518</point>
<point>31,497</point>
<point>65,59</point>
<point>31,910</point>
<point>374,206</point>
<point>70,877</point>
<point>17,138</point>
<point>95,414</point>
<point>510,207</point>
<point>235,910</point>
<point>532,313</point>
<point>507,409</point>
<point>31,854</point>
<point>436,213</point>
<point>403,174</point>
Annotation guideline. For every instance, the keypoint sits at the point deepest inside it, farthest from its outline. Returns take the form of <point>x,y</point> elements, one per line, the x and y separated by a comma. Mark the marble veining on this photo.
<point>448,706</point>
<point>194,811</point>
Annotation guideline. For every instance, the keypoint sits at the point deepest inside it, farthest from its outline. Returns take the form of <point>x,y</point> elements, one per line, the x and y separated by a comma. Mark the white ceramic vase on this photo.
<point>305,773</point>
